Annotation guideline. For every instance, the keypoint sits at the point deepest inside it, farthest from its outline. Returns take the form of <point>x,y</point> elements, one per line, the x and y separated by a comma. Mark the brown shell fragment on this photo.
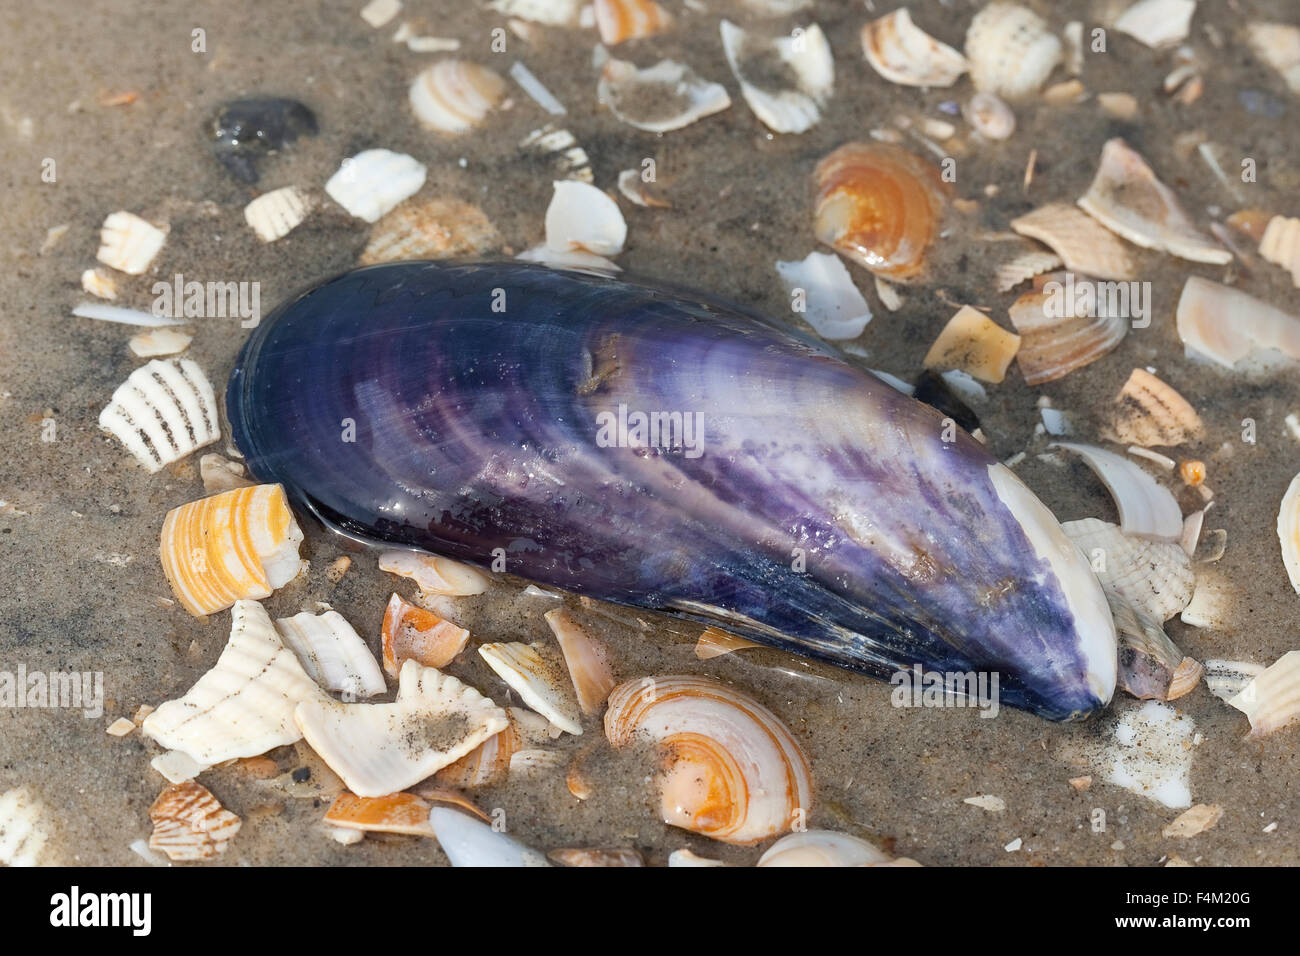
<point>1193,820</point>
<point>973,343</point>
<point>1083,245</point>
<point>715,642</point>
<point>1151,667</point>
<point>433,229</point>
<point>1052,347</point>
<point>1149,412</point>
<point>190,824</point>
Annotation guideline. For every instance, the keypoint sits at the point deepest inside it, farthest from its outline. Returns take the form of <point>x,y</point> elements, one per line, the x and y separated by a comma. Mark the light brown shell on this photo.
<point>1083,245</point>
<point>1272,700</point>
<point>433,229</point>
<point>1150,665</point>
<point>1149,412</point>
<point>1024,267</point>
<point>586,658</point>
<point>1052,347</point>
<point>190,824</point>
<point>1280,245</point>
<point>973,343</point>
<point>413,633</point>
<point>903,53</point>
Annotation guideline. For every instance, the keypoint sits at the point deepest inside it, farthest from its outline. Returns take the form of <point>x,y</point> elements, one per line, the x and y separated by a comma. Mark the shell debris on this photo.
<point>1147,509</point>
<point>1053,345</point>
<point>414,633</point>
<point>1149,412</point>
<point>275,214</point>
<point>1024,267</point>
<point>1277,45</point>
<point>1083,245</point>
<point>715,642</point>
<point>332,653</point>
<point>569,158</point>
<point>833,306</point>
<point>128,243</point>
<point>22,828</point>
<point>582,218</point>
<point>1280,245</point>
<point>190,824</point>
<point>619,20</point>
<point>903,53</point>
<point>374,181</point>
<point>1234,329</point>
<point>532,672</point>
<point>827,848</point>
<point>610,856</point>
<point>221,474</point>
<point>1010,50</point>
<point>633,187</point>
<point>430,229</point>
<point>471,842</point>
<point>1153,576</point>
<point>1157,23</point>
<point>99,283</point>
<point>1193,820</point>
<point>973,343</point>
<point>404,813</point>
<point>159,342</point>
<point>454,96</point>
<point>162,412</point>
<point>435,574</point>
<point>989,116</point>
<point>586,658</point>
<point>659,98</point>
<point>809,68</point>
<point>1271,701</point>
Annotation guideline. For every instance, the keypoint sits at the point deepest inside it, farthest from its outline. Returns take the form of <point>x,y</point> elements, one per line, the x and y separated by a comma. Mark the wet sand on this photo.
<point>80,582</point>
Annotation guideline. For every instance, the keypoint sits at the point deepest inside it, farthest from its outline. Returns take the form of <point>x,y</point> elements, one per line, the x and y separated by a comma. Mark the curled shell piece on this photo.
<point>177,766</point>
<point>435,574</point>
<point>989,116</point>
<point>880,206</point>
<point>374,181</point>
<point>804,59</point>
<point>1082,244</point>
<point>128,243</point>
<point>1151,667</point>
<point>275,214</point>
<point>1024,267</point>
<point>1227,679</point>
<point>659,98</point>
<point>1271,701</point>
<point>635,189</point>
<point>902,52</point>
<point>454,96</point>
<point>242,707</point>
<point>159,342</point>
<point>1149,412</point>
<point>1146,509</point>
<point>830,302</point>
<point>1280,245</point>
<point>413,633</point>
<point>434,229</point>
<point>715,643</point>
<point>332,653</point>
<point>825,848</point>
<point>1228,326</point>
<point>612,856</point>
<point>1277,45</point>
<point>586,658</point>
<point>1057,337</point>
<point>582,217</point>
<point>619,20</point>
<point>973,343</point>
<point>221,474</point>
<point>1128,199</point>
<point>22,833</point>
<point>228,547</point>
<point>471,842</point>
<point>380,749</point>
<point>538,679</point>
<point>1288,531</point>
<point>731,769</point>
<point>1011,51</point>
<point>1157,23</point>
<point>1154,577</point>
<point>162,412</point>
<point>190,824</point>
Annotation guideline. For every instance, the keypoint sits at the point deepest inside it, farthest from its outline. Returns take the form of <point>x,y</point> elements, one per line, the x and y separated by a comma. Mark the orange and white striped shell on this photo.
<point>190,824</point>
<point>413,633</point>
<point>620,20</point>
<point>237,545</point>
<point>731,769</point>
<point>454,96</point>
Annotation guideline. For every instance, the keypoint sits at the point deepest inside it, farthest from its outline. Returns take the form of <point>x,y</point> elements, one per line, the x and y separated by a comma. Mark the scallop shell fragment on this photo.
<point>1024,267</point>
<point>973,343</point>
<point>804,59</point>
<point>275,214</point>
<point>1288,531</point>
<point>244,706</point>
<point>538,679</point>
<point>1280,245</point>
<point>454,96</point>
<point>659,98</point>
<point>374,181</point>
<point>380,749</point>
<point>471,842</point>
<point>731,769</point>
<point>1083,245</point>
<point>1010,50</point>
<point>1146,509</point>
<point>832,304</point>
<point>1271,701</point>
<point>586,658</point>
<point>619,20</point>
<point>1128,199</point>
<point>22,831</point>
<point>1154,577</point>
<point>1227,679</point>
<point>1157,23</point>
<point>903,53</point>
<point>1149,412</point>
<point>162,412</point>
<point>581,217</point>
<point>1228,326</point>
<point>435,229</point>
<point>225,548</point>
<point>1054,341</point>
<point>332,653</point>
<point>128,243</point>
<point>569,158</point>
<point>825,848</point>
<point>435,574</point>
<point>190,824</point>
<point>413,633</point>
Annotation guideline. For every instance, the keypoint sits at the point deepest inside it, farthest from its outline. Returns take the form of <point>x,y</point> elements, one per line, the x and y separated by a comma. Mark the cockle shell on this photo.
<point>619,20</point>
<point>163,412</point>
<point>1155,577</point>
<point>374,181</point>
<point>880,206</point>
<point>1081,243</point>
<point>437,382</point>
<point>1149,412</point>
<point>973,343</point>
<point>128,243</point>
<point>275,214</point>
<point>435,574</point>
<point>1011,51</point>
<point>805,60</point>
<point>22,829</point>
<point>659,98</point>
<point>244,706</point>
<point>586,658</point>
<point>332,653</point>
<point>1230,327</point>
<point>470,842</point>
<point>380,749</point>
<point>731,769</point>
<point>228,547</point>
<point>826,848</point>
<point>1280,245</point>
<point>413,633</point>
<point>538,677</point>
<point>1053,342</point>
<point>902,52</point>
<point>454,96</point>
<point>190,824</point>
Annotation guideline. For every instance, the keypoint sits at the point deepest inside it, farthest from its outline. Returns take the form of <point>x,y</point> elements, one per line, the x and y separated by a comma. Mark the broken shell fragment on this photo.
<point>404,813</point>
<point>374,181</point>
<point>586,658</point>
<point>715,643</point>
<point>1271,701</point>
<point>221,474</point>
<point>159,342</point>
<point>619,20</point>
<point>824,848</point>
<point>275,214</point>
<point>832,304</point>
<point>190,824</point>
<point>538,679</point>
<point>1057,338</point>
<point>1157,23</point>
<point>569,159</point>
<point>1288,531</point>
<point>1011,51</point>
<point>1277,45</point>
<point>471,842</point>
<point>1128,199</point>
<point>1024,267</point>
<point>1228,326</point>
<point>731,769</point>
<point>582,217</point>
<point>1280,245</point>
<point>486,764</point>
<point>163,412</point>
<point>228,547</point>
<point>435,574</point>
<point>1149,412</point>
<point>973,343</point>
<point>413,633</point>
<point>332,653</point>
<point>616,856</point>
<point>1083,245</point>
<point>128,243</point>
<point>1193,820</point>
<point>1154,577</point>
<point>380,749</point>
<point>634,189</point>
<point>903,53</point>
<point>1227,679</point>
<point>433,229</point>
<point>22,833</point>
<point>99,284</point>
<point>803,61</point>
<point>454,96</point>
<point>659,98</point>
<point>177,766</point>
<point>989,116</point>
<point>880,206</point>
<point>244,706</point>
<point>1151,667</point>
<point>1146,509</point>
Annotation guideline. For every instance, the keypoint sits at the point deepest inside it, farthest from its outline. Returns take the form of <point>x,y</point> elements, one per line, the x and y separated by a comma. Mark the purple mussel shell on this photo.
<point>784,494</point>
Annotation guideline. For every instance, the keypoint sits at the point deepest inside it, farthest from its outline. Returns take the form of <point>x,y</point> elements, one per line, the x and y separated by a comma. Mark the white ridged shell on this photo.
<point>275,214</point>
<point>538,679</point>
<point>1153,576</point>
<point>129,243</point>
<point>163,412</point>
<point>902,52</point>
<point>374,181</point>
<point>332,653</point>
<point>659,98</point>
<point>1011,51</point>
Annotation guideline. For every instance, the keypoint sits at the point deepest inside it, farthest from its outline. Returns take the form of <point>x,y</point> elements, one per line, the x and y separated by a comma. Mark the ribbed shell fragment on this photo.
<point>162,412</point>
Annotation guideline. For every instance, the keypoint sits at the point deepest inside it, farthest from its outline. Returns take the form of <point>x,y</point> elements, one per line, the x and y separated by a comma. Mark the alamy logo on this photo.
<point>179,299</point>
<point>1088,299</point>
<point>40,690</point>
<point>668,431</point>
<point>921,688</point>
<point>74,908</point>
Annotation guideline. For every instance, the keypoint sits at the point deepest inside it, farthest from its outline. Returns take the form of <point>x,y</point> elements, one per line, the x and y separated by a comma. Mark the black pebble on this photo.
<point>245,130</point>
<point>302,775</point>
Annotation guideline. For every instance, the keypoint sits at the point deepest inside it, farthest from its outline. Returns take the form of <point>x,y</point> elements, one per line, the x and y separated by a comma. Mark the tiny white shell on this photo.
<point>989,116</point>
<point>471,842</point>
<point>540,682</point>
<point>374,181</point>
<point>833,305</point>
<point>128,243</point>
<point>807,57</point>
<point>159,342</point>
<point>332,653</point>
<point>275,214</point>
<point>379,12</point>
<point>163,412</point>
<point>582,217</point>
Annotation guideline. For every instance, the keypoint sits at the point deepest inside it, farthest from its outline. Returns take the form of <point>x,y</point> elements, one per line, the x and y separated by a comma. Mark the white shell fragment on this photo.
<point>275,214</point>
<point>121,316</point>
<point>535,89</point>
<point>582,217</point>
<point>586,658</point>
<point>332,653</point>
<point>163,412</point>
<point>825,295</point>
<point>634,189</point>
<point>659,98</point>
<point>22,834</point>
<point>1234,329</point>
<point>1288,531</point>
<point>1271,701</point>
<point>1011,51</point>
<point>128,243</point>
<point>822,848</point>
<point>244,706</point>
<point>902,52</point>
<point>1277,45</point>
<point>471,842</point>
<point>1157,23</point>
<point>1146,509</point>
<point>99,284</point>
<point>807,59</point>
<point>1227,679</point>
<point>190,824</point>
<point>374,181</point>
<point>380,749</point>
<point>177,766</point>
<point>573,260</point>
<point>454,96</point>
<point>159,342</point>
<point>539,680</point>
<point>1153,576</point>
<point>570,159</point>
<point>379,12</point>
<point>435,574</point>
<point>221,474</point>
<point>1280,245</point>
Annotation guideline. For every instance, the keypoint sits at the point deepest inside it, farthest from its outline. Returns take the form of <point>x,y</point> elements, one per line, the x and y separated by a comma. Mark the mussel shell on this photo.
<point>456,408</point>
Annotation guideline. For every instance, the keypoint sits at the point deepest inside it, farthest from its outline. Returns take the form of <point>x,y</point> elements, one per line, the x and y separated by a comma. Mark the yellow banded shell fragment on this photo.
<point>162,412</point>
<point>236,545</point>
<point>128,243</point>
<point>538,679</point>
<point>973,343</point>
<point>190,824</point>
<point>903,53</point>
<point>380,749</point>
